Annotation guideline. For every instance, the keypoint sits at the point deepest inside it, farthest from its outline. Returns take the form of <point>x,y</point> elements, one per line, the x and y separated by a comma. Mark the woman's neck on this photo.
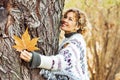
<point>67,35</point>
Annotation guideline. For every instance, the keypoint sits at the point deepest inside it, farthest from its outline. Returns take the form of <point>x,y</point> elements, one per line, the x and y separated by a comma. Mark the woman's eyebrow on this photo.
<point>72,18</point>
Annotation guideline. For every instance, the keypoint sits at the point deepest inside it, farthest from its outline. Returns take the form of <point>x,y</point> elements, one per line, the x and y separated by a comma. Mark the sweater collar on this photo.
<point>69,34</point>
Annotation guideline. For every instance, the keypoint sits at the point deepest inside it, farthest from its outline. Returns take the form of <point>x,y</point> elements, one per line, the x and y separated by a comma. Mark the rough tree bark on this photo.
<point>42,17</point>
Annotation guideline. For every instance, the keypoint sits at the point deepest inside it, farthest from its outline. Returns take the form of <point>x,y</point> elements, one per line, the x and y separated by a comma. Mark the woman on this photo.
<point>71,58</point>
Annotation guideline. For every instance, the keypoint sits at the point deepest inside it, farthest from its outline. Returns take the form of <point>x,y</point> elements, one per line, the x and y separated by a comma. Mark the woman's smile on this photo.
<point>64,24</point>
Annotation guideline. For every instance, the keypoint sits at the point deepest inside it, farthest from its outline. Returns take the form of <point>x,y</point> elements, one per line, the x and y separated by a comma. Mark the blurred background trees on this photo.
<point>103,45</point>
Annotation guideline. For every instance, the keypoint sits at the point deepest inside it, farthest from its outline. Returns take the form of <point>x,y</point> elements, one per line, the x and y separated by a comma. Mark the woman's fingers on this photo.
<point>23,57</point>
<point>26,56</point>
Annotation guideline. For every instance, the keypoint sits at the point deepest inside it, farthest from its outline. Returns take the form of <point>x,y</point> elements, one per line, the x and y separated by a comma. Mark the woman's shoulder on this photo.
<point>77,39</point>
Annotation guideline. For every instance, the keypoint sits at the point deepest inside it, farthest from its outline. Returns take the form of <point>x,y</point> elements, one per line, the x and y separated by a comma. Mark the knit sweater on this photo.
<point>71,58</point>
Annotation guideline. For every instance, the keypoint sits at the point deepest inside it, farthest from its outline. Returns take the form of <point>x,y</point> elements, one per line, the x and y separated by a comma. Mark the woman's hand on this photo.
<point>26,56</point>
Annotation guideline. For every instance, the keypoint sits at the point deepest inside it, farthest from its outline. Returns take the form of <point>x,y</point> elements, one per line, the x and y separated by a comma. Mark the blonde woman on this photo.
<point>71,58</point>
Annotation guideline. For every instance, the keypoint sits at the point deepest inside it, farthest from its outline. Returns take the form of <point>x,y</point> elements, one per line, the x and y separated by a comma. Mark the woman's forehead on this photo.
<point>71,14</point>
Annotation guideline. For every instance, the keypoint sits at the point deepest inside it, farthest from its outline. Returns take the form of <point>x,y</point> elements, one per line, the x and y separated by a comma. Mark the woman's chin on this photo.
<point>63,28</point>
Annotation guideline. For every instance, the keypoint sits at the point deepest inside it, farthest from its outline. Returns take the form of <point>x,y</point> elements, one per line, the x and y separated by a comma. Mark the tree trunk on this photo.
<point>42,17</point>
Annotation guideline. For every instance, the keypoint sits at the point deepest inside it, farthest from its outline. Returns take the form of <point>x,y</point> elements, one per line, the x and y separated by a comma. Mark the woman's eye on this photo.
<point>70,19</point>
<point>65,16</point>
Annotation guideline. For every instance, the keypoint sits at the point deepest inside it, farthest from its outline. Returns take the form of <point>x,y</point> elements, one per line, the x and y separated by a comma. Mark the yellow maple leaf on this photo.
<point>25,43</point>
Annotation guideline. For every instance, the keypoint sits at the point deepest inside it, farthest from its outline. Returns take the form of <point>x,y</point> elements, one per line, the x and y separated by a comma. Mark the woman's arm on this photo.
<point>41,61</point>
<point>63,60</point>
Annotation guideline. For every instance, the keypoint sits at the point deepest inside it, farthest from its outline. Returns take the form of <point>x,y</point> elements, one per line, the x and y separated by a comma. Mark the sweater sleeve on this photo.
<point>46,62</point>
<point>35,61</point>
<point>63,60</point>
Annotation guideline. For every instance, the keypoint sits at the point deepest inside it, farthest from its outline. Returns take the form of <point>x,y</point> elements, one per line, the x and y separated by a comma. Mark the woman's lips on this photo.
<point>64,24</point>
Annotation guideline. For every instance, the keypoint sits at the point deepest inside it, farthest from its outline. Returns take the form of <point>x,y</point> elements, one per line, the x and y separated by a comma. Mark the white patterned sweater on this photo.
<point>71,58</point>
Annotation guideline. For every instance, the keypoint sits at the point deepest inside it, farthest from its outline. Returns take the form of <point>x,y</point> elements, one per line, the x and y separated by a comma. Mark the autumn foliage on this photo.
<point>25,42</point>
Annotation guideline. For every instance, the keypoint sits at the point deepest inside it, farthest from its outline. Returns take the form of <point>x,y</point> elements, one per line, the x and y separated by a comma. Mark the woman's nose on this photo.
<point>65,20</point>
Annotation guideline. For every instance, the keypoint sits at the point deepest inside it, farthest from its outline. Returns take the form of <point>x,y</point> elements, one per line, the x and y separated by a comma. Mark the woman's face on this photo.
<point>69,23</point>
